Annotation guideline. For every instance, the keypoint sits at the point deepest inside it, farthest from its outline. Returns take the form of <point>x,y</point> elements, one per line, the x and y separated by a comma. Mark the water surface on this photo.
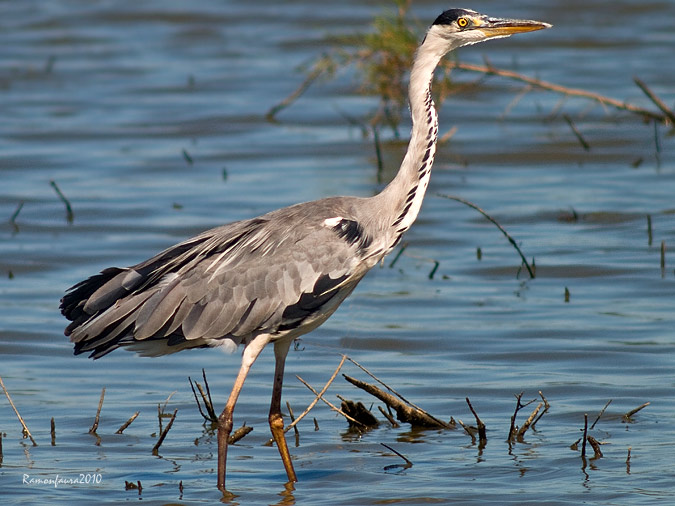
<point>105,97</point>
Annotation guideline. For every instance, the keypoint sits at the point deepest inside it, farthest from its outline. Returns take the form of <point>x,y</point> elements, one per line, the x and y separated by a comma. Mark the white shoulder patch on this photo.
<point>331,222</point>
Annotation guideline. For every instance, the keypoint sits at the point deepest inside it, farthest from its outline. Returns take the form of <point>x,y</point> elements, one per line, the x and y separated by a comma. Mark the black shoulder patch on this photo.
<point>352,232</point>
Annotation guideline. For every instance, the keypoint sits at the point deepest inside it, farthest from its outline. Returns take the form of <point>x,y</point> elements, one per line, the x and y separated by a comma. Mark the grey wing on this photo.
<point>275,274</point>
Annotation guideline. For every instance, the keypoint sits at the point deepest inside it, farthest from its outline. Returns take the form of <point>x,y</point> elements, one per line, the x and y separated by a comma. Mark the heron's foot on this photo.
<point>277,428</point>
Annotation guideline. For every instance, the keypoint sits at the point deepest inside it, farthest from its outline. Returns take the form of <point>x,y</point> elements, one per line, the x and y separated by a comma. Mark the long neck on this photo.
<point>403,197</point>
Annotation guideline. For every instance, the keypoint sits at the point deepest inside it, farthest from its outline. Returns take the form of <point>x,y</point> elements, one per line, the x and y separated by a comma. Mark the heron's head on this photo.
<point>461,27</point>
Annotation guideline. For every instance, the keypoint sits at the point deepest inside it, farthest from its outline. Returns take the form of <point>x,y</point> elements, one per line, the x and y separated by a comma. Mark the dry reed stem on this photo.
<point>26,433</point>
<point>530,270</point>
<point>585,437</point>
<point>602,411</point>
<point>94,426</point>
<point>127,423</point>
<point>318,396</point>
<point>330,405</point>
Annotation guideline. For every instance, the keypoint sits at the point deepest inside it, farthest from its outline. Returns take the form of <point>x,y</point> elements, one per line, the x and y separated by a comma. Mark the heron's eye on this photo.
<point>462,22</point>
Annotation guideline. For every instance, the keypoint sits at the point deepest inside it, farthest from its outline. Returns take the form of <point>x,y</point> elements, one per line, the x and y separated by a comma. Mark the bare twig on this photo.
<point>322,65</point>
<point>513,429</point>
<point>210,414</point>
<point>528,422</point>
<point>290,413</point>
<point>332,406</point>
<point>66,202</point>
<point>26,433</point>
<point>546,408</point>
<point>318,396</point>
<point>15,214</point>
<point>162,436</point>
<point>93,428</point>
<point>577,133</point>
<point>479,423</point>
<point>491,219</point>
<point>127,423</point>
<point>585,436</point>
<point>572,92</point>
<point>602,411</point>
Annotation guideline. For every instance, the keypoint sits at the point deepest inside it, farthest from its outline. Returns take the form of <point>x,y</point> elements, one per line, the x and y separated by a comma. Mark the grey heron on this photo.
<point>272,278</point>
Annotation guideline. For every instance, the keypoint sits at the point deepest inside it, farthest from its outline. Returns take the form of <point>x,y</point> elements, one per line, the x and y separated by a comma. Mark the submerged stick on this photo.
<point>494,222</point>
<point>404,412</point>
<point>408,464</point>
<point>239,434</point>
<point>388,387</point>
<point>26,433</point>
<point>626,417</point>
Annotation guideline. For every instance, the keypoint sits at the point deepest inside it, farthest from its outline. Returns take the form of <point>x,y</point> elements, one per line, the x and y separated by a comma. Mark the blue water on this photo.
<point>104,98</point>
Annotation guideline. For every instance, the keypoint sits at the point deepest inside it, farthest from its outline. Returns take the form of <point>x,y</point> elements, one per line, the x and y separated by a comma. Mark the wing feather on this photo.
<point>265,275</point>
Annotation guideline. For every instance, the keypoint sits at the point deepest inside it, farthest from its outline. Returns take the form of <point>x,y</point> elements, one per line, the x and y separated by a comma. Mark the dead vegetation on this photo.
<point>396,409</point>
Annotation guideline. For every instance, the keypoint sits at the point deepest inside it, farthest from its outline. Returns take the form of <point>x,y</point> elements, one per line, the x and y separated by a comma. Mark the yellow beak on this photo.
<point>506,27</point>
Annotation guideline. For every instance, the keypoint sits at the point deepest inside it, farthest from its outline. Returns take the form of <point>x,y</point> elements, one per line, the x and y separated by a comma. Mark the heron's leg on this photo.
<point>251,352</point>
<point>275,418</point>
